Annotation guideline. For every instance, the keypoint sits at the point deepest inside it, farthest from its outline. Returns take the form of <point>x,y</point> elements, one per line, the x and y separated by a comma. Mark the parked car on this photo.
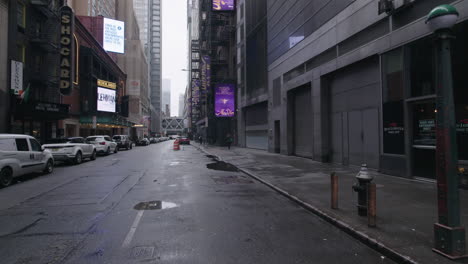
<point>20,155</point>
<point>73,149</point>
<point>123,141</point>
<point>153,140</point>
<point>142,142</point>
<point>103,144</point>
<point>184,141</point>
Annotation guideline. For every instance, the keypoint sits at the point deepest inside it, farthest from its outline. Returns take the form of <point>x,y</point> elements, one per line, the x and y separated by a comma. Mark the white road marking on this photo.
<point>131,233</point>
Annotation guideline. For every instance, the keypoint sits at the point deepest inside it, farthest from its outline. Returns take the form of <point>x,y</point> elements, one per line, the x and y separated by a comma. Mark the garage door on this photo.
<point>256,126</point>
<point>302,122</point>
<point>257,139</point>
<point>355,104</point>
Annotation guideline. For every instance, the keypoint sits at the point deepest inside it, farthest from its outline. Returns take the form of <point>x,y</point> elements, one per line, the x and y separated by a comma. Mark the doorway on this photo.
<point>277,137</point>
<point>423,143</point>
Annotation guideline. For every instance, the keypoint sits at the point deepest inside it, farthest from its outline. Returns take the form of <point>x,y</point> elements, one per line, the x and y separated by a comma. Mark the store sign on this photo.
<point>16,77</point>
<point>223,5</point>
<point>106,100</point>
<point>225,100</point>
<point>205,73</point>
<point>67,45</point>
<point>107,84</point>
<point>51,107</point>
<point>114,35</point>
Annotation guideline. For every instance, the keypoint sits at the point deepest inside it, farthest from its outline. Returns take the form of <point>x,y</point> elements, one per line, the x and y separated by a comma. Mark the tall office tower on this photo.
<point>104,8</point>
<point>181,105</point>
<point>141,12</point>
<point>154,57</point>
<point>166,97</point>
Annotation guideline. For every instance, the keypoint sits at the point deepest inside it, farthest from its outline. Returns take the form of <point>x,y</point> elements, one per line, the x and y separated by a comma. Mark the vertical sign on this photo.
<point>205,74</point>
<point>67,45</point>
<point>224,100</point>
<point>16,77</point>
<point>223,5</point>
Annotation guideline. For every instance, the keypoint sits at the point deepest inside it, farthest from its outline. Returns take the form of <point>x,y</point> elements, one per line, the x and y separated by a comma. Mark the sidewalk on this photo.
<point>406,209</point>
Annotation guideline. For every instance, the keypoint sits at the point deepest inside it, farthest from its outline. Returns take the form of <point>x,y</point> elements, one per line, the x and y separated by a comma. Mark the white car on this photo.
<point>73,149</point>
<point>103,144</point>
<point>20,155</point>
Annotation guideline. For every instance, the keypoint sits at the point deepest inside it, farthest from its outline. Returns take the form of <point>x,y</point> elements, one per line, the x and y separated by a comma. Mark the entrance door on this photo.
<point>424,139</point>
<point>277,137</point>
<point>302,120</point>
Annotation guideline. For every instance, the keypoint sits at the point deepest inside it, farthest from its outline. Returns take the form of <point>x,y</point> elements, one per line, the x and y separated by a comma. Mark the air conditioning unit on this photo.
<point>385,6</point>
<point>392,6</point>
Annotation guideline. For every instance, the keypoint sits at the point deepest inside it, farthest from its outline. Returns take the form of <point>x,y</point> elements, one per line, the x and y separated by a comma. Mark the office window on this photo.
<point>21,14</point>
<point>21,55</point>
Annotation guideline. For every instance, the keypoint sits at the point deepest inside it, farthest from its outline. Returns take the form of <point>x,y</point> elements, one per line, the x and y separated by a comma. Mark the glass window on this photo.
<point>35,146</point>
<point>424,130</point>
<point>421,68</point>
<point>107,138</point>
<point>392,103</point>
<point>21,14</point>
<point>22,144</point>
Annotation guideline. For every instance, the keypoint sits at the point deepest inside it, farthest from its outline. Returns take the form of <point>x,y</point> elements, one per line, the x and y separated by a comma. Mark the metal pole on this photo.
<point>372,205</point>
<point>334,190</point>
<point>449,235</point>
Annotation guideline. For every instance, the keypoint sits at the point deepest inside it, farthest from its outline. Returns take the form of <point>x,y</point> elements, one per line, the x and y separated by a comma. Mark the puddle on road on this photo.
<point>154,205</point>
<point>221,166</point>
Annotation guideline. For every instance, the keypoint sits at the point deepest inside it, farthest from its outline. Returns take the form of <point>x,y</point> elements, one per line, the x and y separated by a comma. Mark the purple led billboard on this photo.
<point>225,100</point>
<point>223,5</point>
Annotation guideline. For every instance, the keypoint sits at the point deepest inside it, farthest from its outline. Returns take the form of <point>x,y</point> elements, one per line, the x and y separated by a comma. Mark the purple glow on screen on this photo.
<point>224,100</point>
<point>223,5</point>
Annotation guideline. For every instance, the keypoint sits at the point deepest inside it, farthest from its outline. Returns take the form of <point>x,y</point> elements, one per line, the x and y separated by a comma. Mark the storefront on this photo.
<point>409,106</point>
<point>39,119</point>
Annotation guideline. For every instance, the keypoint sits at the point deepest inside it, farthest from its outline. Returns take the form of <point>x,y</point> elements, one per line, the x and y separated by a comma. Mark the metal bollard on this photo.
<point>372,205</point>
<point>334,190</point>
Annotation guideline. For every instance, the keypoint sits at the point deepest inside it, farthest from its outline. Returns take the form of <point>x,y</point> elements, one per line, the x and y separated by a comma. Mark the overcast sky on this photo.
<point>174,48</point>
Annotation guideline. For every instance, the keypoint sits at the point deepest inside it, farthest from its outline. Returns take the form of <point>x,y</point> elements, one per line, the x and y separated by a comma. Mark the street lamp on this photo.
<point>449,236</point>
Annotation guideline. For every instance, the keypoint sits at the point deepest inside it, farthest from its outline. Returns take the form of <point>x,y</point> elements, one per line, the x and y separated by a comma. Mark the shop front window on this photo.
<point>421,68</point>
<point>393,95</point>
<point>424,124</point>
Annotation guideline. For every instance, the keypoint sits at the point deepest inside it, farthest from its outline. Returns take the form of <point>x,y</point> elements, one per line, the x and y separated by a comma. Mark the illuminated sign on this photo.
<point>114,35</point>
<point>223,5</point>
<point>106,100</point>
<point>67,45</point>
<point>106,84</point>
<point>224,100</point>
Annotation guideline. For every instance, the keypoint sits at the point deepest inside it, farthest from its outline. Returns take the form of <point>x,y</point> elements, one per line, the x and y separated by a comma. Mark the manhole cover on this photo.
<point>154,205</point>
<point>142,253</point>
<point>230,180</point>
<point>221,166</point>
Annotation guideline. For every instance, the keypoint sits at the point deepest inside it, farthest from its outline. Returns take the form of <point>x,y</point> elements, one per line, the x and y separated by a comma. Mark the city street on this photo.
<point>155,205</point>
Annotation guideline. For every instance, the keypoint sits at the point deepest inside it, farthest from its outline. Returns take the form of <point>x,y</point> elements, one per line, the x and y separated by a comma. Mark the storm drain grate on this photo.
<point>142,253</point>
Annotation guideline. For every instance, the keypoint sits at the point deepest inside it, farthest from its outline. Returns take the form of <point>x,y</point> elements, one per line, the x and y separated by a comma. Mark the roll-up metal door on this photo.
<point>302,118</point>
<point>256,126</point>
<point>355,103</point>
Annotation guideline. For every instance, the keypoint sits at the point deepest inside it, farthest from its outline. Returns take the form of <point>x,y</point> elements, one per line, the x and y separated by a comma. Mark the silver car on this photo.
<point>73,149</point>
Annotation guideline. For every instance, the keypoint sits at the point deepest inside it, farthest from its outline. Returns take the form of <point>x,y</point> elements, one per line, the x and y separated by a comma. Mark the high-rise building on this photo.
<point>166,97</point>
<point>181,104</point>
<point>105,8</point>
<point>141,13</point>
<point>134,64</point>
<point>155,56</point>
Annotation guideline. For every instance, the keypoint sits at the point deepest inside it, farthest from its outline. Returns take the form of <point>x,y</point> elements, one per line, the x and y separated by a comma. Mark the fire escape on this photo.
<point>43,36</point>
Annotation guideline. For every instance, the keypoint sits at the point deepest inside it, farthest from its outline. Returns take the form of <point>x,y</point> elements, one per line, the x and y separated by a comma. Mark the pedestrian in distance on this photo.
<point>229,140</point>
<point>201,140</point>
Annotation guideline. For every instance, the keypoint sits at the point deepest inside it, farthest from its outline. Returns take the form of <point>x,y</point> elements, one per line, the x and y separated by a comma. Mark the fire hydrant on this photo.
<point>362,188</point>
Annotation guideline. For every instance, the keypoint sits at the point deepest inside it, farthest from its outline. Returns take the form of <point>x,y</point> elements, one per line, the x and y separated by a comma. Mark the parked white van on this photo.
<point>22,154</point>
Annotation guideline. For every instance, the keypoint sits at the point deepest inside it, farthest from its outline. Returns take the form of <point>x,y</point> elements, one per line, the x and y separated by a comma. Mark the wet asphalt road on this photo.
<point>154,205</point>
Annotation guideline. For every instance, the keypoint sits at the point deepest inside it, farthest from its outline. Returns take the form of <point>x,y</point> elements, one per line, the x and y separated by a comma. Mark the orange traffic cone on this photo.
<point>176,145</point>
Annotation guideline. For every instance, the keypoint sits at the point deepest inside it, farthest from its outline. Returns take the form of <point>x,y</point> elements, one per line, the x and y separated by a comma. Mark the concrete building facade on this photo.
<point>155,57</point>
<point>134,63</point>
<point>141,13</point>
<point>348,84</point>
<point>4,69</point>
<point>166,97</point>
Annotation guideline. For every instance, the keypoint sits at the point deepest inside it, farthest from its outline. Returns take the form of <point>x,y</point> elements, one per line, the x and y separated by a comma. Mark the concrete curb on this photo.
<point>359,235</point>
